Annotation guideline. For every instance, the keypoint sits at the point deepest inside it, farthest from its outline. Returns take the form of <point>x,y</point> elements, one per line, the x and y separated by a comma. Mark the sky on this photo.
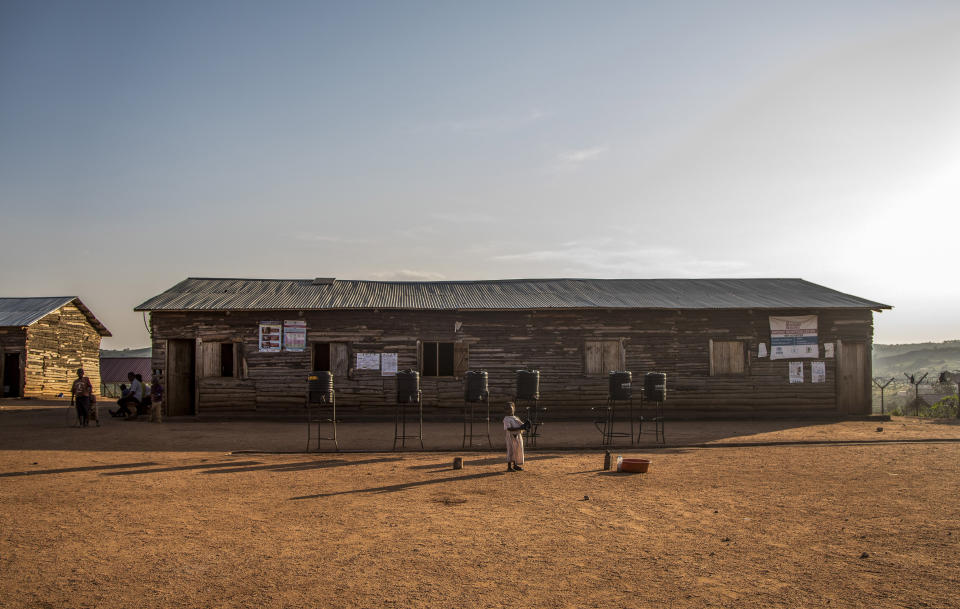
<point>145,142</point>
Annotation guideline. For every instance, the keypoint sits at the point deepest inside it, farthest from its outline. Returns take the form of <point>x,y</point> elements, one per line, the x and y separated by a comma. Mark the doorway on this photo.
<point>181,377</point>
<point>321,357</point>
<point>853,379</point>
<point>11,376</point>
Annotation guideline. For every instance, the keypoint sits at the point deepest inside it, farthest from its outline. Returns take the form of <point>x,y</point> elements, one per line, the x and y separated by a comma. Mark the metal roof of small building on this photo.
<point>115,369</point>
<point>21,312</point>
<point>198,294</point>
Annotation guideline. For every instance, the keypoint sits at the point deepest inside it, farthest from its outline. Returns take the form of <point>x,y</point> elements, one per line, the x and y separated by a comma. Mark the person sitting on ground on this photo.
<point>130,397</point>
<point>513,430</point>
<point>80,394</point>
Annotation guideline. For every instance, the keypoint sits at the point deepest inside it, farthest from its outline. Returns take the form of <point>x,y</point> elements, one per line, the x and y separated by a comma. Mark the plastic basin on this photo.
<point>636,466</point>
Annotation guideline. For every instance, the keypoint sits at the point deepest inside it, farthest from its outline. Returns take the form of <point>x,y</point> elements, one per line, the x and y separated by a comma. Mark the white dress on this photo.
<point>514,439</point>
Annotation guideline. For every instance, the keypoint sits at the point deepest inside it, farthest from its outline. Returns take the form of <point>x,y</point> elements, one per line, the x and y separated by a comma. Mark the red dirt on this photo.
<point>87,521</point>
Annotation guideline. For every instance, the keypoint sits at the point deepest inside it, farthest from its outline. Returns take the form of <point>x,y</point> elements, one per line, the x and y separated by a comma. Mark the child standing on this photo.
<point>513,430</point>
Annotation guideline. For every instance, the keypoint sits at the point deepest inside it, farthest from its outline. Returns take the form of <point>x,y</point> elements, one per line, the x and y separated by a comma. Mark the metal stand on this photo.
<point>534,415</point>
<point>655,416</point>
<point>468,420</point>
<point>606,423</point>
<point>317,418</point>
<point>400,423</point>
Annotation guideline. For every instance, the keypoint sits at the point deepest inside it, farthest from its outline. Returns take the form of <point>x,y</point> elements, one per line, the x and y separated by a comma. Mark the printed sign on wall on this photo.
<point>368,361</point>
<point>294,334</point>
<point>818,372</point>
<point>388,364</point>
<point>793,337</point>
<point>270,336</point>
<point>796,372</point>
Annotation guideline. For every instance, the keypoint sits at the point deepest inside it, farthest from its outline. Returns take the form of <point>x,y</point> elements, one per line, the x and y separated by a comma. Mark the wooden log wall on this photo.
<point>56,346</point>
<point>674,342</point>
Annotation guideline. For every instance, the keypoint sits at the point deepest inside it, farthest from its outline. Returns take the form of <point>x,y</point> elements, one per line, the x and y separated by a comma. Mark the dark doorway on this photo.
<point>181,377</point>
<point>11,375</point>
<point>321,356</point>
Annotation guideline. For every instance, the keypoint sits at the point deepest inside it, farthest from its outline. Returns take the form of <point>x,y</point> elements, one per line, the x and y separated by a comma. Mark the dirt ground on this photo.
<point>731,514</point>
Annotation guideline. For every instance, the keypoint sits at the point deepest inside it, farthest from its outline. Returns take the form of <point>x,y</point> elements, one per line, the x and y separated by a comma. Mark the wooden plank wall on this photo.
<point>57,345</point>
<point>674,342</point>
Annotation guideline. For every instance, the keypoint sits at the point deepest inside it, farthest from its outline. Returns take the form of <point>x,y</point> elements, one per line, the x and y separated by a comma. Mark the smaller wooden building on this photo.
<point>42,343</point>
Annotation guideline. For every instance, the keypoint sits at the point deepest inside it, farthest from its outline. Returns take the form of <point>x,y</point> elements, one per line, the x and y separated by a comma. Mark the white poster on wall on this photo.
<point>388,364</point>
<point>796,372</point>
<point>294,334</point>
<point>270,336</point>
<point>762,350</point>
<point>792,337</point>
<point>828,349</point>
<point>368,361</point>
<point>818,372</point>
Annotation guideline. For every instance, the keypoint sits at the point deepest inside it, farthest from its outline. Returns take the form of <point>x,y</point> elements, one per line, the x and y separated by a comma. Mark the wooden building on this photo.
<point>727,346</point>
<point>42,343</point>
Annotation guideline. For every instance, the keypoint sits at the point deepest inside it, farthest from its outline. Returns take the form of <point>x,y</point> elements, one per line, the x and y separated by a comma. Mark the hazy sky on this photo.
<point>142,143</point>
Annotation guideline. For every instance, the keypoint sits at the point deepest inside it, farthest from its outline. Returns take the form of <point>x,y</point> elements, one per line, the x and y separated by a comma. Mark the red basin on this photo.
<point>638,466</point>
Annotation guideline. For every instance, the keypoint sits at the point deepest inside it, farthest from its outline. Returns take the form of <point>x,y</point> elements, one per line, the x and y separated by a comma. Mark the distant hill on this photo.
<point>895,360</point>
<point>145,352</point>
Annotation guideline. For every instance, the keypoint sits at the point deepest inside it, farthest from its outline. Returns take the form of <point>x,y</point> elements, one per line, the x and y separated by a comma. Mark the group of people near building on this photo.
<point>134,400</point>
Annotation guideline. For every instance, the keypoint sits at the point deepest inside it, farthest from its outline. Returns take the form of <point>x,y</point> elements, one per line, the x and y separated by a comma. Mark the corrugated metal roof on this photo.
<point>305,294</point>
<point>115,369</point>
<point>20,312</point>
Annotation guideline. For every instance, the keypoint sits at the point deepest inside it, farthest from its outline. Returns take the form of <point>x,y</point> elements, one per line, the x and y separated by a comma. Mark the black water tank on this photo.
<point>408,386</point>
<point>320,385</point>
<point>528,384</point>
<point>475,388</point>
<point>655,387</point>
<point>621,385</point>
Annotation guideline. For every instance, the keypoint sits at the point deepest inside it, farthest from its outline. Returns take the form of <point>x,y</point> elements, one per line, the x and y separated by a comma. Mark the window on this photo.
<point>220,359</point>
<point>728,358</point>
<point>443,359</point>
<point>602,356</point>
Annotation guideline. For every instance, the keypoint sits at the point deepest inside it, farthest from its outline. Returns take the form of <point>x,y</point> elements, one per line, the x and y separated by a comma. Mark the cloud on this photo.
<point>407,275</point>
<point>309,238</point>
<point>570,160</point>
<point>599,258</point>
<point>582,155</point>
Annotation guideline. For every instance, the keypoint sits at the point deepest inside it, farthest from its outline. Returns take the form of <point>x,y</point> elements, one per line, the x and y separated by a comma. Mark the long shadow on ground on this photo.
<point>399,487</point>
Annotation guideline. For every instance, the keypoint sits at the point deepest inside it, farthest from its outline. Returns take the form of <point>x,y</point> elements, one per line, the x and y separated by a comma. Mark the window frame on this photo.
<point>603,363</point>
<point>458,358</point>
<point>715,361</point>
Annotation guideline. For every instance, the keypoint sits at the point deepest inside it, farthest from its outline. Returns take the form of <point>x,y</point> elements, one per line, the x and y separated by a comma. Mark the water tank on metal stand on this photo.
<point>621,385</point>
<point>320,386</point>
<point>408,386</point>
<point>655,387</point>
<point>476,386</point>
<point>528,384</point>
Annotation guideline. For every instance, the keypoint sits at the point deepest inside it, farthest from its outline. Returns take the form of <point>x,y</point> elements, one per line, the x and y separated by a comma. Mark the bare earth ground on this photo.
<point>145,515</point>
